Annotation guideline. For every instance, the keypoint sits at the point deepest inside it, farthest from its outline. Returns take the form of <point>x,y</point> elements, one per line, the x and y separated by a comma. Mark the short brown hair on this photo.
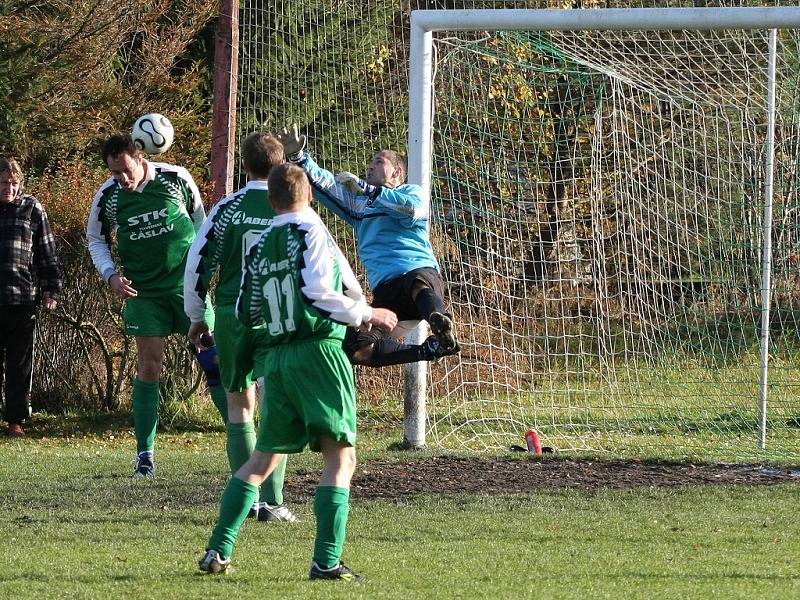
<point>260,153</point>
<point>11,166</point>
<point>119,144</point>
<point>288,186</point>
<point>398,161</point>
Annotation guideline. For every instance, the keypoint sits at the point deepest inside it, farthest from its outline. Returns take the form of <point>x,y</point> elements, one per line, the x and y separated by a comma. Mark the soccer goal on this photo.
<point>616,214</point>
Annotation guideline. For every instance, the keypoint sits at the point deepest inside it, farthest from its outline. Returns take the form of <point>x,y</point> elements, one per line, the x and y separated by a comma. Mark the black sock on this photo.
<point>428,302</point>
<point>389,352</point>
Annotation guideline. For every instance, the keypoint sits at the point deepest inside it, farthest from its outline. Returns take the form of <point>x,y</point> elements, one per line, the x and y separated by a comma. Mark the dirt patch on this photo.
<point>459,475</point>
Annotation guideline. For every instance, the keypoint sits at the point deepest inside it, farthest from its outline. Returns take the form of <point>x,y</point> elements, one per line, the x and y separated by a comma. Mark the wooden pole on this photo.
<point>226,76</point>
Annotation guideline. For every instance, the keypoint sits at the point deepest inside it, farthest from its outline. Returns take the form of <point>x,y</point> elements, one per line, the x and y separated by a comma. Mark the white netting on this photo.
<point>597,212</point>
<point>601,227</point>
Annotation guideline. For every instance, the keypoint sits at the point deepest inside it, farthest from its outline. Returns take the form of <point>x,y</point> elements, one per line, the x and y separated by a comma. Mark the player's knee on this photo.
<point>361,356</point>
<point>241,404</point>
<point>348,464</point>
<point>359,345</point>
<point>149,368</point>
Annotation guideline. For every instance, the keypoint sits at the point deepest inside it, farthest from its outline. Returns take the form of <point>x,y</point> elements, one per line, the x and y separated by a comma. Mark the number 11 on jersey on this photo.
<point>280,299</point>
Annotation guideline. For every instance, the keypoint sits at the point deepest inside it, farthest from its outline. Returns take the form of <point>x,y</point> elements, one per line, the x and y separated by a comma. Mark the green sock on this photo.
<point>240,444</point>
<point>145,413</point>
<point>220,399</point>
<point>272,488</point>
<point>237,499</point>
<point>331,507</point>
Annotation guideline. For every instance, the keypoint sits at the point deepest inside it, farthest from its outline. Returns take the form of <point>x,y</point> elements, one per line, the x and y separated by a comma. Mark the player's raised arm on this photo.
<point>342,199</point>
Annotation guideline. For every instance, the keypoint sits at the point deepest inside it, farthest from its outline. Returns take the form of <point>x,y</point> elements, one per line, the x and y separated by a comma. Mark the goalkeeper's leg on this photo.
<point>430,302</point>
<point>373,348</point>
<point>419,294</point>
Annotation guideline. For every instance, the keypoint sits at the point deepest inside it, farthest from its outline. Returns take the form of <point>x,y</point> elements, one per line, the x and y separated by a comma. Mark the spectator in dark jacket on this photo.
<point>29,273</point>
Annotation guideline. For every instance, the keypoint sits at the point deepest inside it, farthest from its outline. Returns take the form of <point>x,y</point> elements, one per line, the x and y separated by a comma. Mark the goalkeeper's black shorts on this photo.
<point>395,294</point>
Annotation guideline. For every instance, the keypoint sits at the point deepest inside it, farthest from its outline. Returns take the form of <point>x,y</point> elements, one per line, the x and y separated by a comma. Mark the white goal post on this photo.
<point>421,122</point>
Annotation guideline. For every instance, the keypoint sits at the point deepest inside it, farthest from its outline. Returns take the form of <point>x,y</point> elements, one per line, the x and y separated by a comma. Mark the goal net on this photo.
<point>599,213</point>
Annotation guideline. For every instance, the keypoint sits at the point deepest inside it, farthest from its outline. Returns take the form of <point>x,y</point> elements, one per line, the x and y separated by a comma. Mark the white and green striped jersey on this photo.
<point>298,284</point>
<point>154,226</point>
<point>232,225</point>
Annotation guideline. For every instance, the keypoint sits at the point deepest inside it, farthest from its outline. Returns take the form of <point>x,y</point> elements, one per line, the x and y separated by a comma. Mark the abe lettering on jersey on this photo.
<point>239,218</point>
<point>265,266</point>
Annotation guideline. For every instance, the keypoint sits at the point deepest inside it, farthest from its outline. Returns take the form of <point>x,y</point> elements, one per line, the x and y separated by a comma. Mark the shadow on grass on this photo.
<point>101,424</point>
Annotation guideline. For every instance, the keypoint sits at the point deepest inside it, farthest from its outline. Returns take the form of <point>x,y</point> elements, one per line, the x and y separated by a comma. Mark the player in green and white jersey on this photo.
<point>299,285</point>
<point>151,211</point>
<point>219,248</point>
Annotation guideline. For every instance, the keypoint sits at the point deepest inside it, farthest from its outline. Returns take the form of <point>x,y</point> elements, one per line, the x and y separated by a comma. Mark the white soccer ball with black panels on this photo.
<point>153,133</point>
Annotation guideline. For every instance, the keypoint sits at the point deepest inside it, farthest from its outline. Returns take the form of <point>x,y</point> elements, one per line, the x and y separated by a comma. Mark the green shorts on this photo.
<point>310,391</point>
<point>159,317</point>
<point>241,350</point>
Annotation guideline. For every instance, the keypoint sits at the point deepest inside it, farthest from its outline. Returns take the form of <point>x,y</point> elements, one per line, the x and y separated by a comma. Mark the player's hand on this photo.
<point>349,182</point>
<point>293,142</point>
<point>196,331</point>
<point>384,319</point>
<point>122,286</point>
<point>50,303</point>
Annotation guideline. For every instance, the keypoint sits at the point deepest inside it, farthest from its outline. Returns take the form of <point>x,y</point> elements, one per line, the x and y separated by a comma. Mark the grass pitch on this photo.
<point>76,525</point>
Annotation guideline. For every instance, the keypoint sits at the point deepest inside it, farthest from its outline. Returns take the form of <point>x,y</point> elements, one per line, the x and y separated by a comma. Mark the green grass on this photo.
<point>675,412</point>
<point>77,526</point>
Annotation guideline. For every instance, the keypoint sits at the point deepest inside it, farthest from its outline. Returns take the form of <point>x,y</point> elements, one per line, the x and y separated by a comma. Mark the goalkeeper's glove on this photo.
<point>352,183</point>
<point>356,185</point>
<point>293,142</point>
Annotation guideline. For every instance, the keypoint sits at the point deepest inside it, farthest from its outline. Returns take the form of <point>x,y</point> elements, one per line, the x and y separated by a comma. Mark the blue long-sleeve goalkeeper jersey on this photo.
<point>391,226</point>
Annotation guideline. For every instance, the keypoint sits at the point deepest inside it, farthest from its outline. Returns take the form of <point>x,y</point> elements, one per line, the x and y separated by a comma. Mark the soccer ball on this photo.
<point>153,133</point>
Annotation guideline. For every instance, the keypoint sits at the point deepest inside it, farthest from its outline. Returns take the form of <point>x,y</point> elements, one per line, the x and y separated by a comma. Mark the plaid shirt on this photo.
<point>27,253</point>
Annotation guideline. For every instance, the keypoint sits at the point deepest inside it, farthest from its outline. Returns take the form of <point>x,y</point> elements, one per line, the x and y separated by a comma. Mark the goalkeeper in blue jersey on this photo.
<point>297,283</point>
<point>390,220</point>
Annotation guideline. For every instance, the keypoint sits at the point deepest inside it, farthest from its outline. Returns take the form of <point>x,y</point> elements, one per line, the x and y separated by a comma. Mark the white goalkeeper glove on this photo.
<point>352,183</point>
<point>293,142</point>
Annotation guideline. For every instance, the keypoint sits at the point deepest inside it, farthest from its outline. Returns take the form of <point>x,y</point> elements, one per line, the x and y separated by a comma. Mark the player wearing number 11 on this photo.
<point>299,284</point>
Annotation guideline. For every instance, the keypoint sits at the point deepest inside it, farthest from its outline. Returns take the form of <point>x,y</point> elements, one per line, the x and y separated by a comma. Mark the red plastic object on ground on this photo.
<point>532,441</point>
